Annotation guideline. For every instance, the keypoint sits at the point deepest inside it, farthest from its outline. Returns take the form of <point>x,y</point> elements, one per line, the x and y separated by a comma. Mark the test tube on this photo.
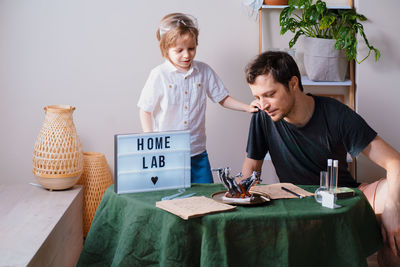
<point>323,180</point>
<point>329,171</point>
<point>334,178</point>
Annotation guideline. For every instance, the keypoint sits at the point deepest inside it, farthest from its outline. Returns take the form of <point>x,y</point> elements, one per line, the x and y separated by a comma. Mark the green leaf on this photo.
<point>293,41</point>
<point>361,17</point>
<point>320,7</point>
<point>326,22</point>
<point>302,17</point>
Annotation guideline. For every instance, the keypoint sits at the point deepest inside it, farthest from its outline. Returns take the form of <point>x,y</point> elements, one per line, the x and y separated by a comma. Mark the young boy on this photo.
<point>175,94</point>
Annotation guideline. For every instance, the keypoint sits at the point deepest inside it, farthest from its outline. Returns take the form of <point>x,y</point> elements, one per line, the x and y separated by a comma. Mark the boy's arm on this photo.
<point>388,158</point>
<point>146,121</point>
<point>232,103</point>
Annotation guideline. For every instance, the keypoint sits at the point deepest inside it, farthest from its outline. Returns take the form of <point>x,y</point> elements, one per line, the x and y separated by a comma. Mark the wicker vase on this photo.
<point>96,178</point>
<point>58,156</point>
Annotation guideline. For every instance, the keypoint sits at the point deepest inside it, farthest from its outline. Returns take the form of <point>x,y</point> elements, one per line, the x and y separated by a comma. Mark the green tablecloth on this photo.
<point>128,230</point>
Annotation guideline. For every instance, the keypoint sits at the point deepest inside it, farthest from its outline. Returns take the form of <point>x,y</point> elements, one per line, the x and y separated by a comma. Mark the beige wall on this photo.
<point>96,55</point>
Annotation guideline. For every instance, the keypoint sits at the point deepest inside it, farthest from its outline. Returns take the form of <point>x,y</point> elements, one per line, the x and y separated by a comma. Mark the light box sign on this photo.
<point>151,161</point>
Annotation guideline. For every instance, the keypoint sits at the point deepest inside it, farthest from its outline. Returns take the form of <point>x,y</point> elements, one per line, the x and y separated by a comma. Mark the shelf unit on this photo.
<point>350,83</point>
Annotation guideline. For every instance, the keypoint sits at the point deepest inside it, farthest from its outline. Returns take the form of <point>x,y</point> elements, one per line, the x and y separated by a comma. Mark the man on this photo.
<point>302,131</point>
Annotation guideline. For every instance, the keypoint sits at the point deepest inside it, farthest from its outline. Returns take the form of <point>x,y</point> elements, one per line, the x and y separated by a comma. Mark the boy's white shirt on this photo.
<point>177,100</point>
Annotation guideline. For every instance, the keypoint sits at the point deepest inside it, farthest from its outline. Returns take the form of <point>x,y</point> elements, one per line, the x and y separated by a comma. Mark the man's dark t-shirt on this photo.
<point>299,154</point>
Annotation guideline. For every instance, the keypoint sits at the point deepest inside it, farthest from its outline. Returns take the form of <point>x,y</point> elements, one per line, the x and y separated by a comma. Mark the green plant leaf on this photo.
<point>326,22</point>
<point>315,20</point>
<point>320,7</point>
<point>294,39</point>
<point>361,17</point>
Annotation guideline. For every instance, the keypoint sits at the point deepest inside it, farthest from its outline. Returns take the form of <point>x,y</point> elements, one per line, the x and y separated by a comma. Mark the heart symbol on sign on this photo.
<point>154,179</point>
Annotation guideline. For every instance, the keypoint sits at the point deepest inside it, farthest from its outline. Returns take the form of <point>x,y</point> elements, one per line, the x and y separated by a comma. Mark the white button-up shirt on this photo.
<point>177,100</point>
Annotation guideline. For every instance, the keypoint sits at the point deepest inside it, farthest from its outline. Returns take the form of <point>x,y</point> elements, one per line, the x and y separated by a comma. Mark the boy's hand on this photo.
<point>254,106</point>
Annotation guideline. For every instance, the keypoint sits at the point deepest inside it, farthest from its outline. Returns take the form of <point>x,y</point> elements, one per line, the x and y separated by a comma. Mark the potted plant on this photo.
<point>334,30</point>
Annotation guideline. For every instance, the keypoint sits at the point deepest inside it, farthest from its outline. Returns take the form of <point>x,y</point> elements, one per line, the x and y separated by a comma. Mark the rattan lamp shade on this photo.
<point>57,155</point>
<point>96,178</point>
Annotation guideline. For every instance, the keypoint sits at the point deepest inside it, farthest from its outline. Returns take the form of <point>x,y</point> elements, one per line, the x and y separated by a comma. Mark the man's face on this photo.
<point>273,97</point>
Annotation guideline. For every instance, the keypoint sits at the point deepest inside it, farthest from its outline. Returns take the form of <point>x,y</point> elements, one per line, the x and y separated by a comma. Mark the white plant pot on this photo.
<point>323,62</point>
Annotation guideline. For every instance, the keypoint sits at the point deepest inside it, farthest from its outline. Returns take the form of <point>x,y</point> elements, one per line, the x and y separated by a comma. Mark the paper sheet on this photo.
<point>274,191</point>
<point>193,206</point>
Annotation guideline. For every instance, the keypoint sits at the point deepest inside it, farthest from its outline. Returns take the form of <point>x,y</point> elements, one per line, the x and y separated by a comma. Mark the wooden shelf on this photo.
<point>273,6</point>
<point>281,7</point>
<point>306,81</point>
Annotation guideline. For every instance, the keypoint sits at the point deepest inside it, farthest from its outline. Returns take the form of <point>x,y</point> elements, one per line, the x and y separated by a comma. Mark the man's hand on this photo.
<point>388,158</point>
<point>250,165</point>
<point>390,226</point>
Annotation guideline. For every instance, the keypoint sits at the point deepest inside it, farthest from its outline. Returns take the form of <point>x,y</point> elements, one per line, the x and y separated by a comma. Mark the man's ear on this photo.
<point>294,83</point>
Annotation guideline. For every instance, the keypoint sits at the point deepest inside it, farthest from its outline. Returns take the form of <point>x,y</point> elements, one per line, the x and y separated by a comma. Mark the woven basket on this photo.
<point>96,178</point>
<point>57,155</point>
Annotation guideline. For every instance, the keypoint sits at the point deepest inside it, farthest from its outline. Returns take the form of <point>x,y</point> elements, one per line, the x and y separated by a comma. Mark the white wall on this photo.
<point>96,55</point>
<point>378,92</point>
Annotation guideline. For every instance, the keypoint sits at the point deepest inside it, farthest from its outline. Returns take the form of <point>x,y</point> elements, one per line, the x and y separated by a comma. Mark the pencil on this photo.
<point>291,192</point>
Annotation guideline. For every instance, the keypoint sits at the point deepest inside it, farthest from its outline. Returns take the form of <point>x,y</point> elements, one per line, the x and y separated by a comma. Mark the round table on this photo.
<point>128,230</point>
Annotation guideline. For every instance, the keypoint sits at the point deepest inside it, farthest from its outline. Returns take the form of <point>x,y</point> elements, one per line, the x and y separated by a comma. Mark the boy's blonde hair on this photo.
<point>173,26</point>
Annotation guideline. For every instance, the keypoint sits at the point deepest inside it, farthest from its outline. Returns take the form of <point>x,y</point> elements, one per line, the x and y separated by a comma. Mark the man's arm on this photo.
<point>388,158</point>
<point>250,165</point>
